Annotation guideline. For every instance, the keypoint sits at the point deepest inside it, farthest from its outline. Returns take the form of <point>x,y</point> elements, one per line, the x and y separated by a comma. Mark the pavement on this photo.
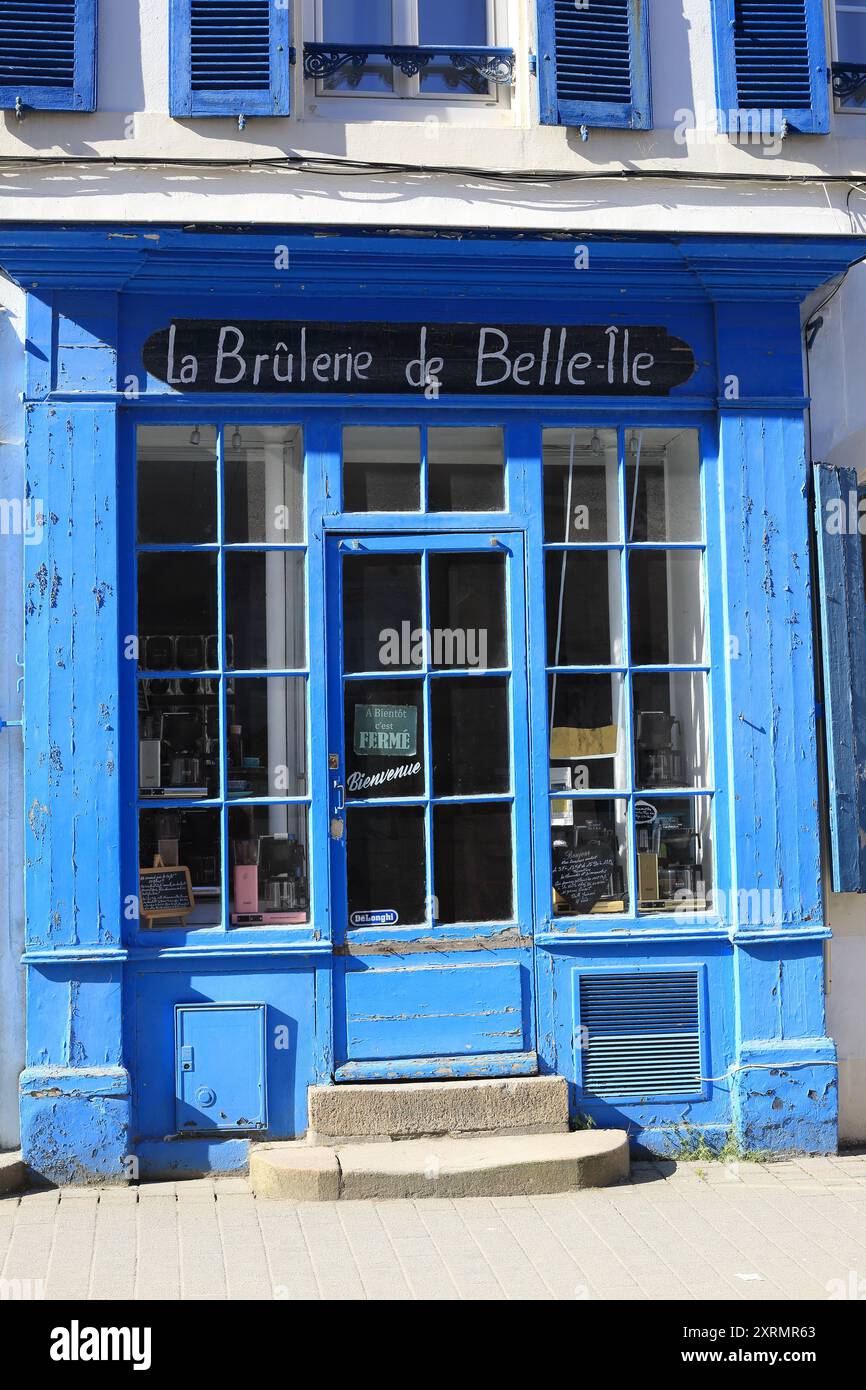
<point>742,1231</point>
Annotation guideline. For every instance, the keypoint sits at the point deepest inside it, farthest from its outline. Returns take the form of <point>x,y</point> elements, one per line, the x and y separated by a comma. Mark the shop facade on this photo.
<point>420,683</point>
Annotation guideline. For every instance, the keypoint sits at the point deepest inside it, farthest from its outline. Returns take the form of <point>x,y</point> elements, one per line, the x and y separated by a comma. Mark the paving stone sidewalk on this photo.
<point>743,1231</point>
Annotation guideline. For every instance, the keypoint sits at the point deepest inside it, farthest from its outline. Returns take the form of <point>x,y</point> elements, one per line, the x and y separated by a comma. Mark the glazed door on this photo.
<point>429,773</point>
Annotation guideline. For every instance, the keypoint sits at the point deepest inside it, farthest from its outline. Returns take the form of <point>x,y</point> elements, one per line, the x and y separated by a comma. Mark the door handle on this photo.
<point>340,803</point>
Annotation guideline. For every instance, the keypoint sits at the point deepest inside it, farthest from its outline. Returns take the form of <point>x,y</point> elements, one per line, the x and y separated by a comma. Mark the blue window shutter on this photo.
<point>771,58</point>
<point>843,636</point>
<point>593,63</point>
<point>230,57</point>
<point>48,54</point>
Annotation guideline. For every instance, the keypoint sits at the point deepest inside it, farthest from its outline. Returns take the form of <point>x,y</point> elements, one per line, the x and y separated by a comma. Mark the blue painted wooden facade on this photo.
<point>104,1072</point>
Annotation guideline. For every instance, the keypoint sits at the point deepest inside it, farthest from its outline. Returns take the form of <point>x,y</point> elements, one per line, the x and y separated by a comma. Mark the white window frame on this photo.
<point>405,29</point>
<point>839,106</point>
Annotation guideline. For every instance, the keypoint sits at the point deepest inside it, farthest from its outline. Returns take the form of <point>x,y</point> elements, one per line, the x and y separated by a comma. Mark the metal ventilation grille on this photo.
<point>771,42</point>
<point>37,43</point>
<point>230,45</point>
<point>593,51</point>
<point>642,1033</point>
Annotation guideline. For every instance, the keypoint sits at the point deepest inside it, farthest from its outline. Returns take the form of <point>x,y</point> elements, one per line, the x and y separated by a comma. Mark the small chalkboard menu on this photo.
<point>165,892</point>
<point>582,876</point>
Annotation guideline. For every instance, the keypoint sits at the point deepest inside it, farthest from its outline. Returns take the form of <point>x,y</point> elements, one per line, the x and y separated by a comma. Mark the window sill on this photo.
<point>494,65</point>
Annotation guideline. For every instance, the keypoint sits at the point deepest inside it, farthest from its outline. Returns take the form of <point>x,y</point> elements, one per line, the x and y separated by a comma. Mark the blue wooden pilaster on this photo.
<point>75,1092</point>
<point>783,1078</point>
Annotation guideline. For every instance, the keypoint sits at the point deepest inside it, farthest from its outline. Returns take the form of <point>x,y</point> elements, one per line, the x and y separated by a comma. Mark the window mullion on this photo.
<point>222,647</point>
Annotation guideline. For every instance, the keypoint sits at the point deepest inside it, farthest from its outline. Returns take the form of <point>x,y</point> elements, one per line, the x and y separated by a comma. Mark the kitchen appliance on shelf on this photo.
<point>659,760</point>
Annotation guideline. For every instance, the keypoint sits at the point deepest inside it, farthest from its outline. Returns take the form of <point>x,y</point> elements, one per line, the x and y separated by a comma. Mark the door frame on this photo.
<point>519,932</point>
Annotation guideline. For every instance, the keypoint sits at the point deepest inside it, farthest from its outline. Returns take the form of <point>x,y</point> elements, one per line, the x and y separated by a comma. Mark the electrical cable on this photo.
<point>362,167</point>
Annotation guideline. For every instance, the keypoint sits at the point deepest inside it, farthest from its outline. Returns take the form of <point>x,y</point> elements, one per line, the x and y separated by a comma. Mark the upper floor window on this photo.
<point>849,51</point>
<point>408,48</point>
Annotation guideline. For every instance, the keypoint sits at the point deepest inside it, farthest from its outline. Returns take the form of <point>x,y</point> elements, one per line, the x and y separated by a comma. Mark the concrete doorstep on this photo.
<point>530,1165</point>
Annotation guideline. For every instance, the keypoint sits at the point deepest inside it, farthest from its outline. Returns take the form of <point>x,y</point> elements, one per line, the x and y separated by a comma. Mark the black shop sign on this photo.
<point>293,357</point>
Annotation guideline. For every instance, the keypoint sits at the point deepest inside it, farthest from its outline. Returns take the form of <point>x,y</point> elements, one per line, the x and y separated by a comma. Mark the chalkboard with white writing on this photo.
<point>582,876</point>
<point>165,892</point>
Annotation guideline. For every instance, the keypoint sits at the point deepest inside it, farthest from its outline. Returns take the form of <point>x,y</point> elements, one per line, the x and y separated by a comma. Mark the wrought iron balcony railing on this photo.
<point>849,83</point>
<point>481,64</point>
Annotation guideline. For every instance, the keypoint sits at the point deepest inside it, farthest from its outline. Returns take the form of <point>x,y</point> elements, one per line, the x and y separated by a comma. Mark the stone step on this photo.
<point>517,1166</point>
<point>415,1109</point>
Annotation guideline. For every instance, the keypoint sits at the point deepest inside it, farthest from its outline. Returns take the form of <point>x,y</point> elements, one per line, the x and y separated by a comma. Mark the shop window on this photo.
<point>771,67</point>
<point>593,67</point>
<point>223,672</point>
<point>408,48</point>
<point>849,51</point>
<point>230,58</point>
<point>48,55</point>
<point>628,699</point>
<point>429,469</point>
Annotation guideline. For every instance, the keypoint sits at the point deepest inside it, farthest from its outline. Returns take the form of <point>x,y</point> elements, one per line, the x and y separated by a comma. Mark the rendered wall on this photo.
<point>839,437</point>
<point>133,122</point>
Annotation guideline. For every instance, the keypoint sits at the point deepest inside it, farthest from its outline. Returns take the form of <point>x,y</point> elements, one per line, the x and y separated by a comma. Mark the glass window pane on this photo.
<point>663,485</point>
<point>472,848</point>
<point>465,470</point>
<point>459,22</point>
<point>667,607</point>
<point>267,737</point>
<point>584,608</point>
<point>382,612</point>
<point>851,34</point>
<point>468,611</point>
<point>581,486</point>
<point>384,730</point>
<point>346,22</point>
<point>269,853</point>
<point>176,467</point>
<point>588,748</point>
<point>385,863</point>
<point>265,610</point>
<point>674,853</point>
<point>177,611</point>
<point>178,739</point>
<point>470,735</point>
<point>264,481</point>
<point>671,730</point>
<point>188,839</point>
<point>589,843</point>
<point>381,470</point>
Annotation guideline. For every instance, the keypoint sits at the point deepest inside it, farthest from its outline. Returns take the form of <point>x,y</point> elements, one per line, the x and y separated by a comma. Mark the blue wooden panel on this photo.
<point>434,1010</point>
<point>220,1067</point>
<point>285,988</point>
<point>771,689</point>
<point>843,639</point>
<point>48,55</point>
<point>71,698</point>
<point>771,60</point>
<point>593,63</point>
<point>230,57</point>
